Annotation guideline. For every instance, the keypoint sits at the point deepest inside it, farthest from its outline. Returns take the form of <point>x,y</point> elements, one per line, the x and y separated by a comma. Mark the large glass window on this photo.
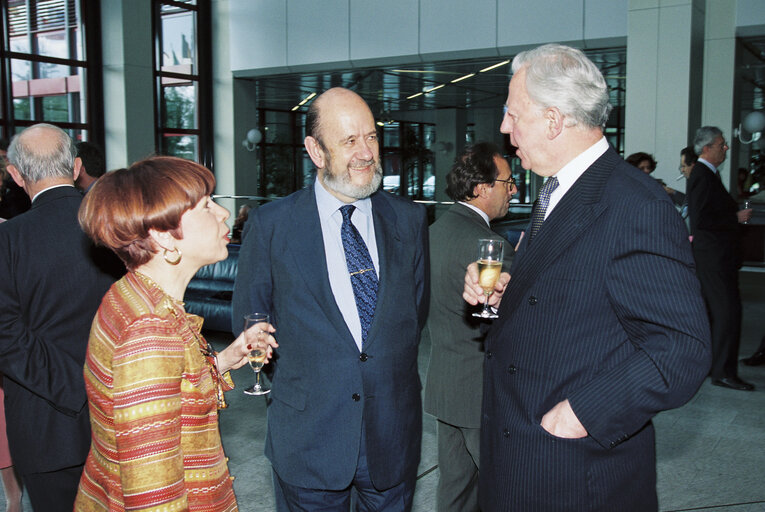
<point>52,66</point>
<point>183,79</point>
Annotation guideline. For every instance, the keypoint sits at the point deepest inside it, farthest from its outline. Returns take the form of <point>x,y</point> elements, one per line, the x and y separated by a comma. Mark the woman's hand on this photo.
<point>235,355</point>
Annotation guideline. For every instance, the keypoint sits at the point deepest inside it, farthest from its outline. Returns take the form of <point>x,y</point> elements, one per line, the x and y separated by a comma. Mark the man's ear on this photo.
<point>315,151</point>
<point>15,174</point>
<point>555,122</point>
<point>77,168</point>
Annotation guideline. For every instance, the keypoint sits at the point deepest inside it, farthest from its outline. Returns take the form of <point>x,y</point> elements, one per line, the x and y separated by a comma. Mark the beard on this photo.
<point>341,183</point>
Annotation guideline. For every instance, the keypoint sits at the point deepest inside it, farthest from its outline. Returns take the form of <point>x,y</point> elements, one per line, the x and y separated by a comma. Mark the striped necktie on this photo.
<point>361,269</point>
<point>538,217</point>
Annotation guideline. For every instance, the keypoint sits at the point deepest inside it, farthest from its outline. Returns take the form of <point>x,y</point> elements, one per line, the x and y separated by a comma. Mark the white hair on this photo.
<point>705,136</point>
<point>563,77</point>
<point>35,164</point>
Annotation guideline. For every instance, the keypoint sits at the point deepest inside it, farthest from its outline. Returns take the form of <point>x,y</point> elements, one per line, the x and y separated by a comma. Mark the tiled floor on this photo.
<point>711,452</point>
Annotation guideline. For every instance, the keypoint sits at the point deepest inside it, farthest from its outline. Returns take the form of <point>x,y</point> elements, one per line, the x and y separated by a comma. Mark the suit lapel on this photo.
<point>306,247</point>
<point>568,221</point>
<point>388,252</point>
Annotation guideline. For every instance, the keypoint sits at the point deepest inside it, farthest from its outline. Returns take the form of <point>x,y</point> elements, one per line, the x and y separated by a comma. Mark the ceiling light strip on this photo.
<point>498,64</point>
<point>304,101</point>
<point>462,78</point>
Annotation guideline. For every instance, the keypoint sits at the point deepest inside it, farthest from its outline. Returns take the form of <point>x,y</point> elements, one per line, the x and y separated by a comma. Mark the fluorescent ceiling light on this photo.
<point>414,95</point>
<point>462,78</point>
<point>434,88</point>
<point>498,64</point>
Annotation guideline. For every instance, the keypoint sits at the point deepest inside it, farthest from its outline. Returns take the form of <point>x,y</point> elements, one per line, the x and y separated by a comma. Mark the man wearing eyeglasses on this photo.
<point>481,185</point>
<point>714,220</point>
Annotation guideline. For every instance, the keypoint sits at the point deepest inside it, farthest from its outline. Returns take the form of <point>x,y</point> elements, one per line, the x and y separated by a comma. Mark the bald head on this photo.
<point>42,152</point>
<point>331,101</point>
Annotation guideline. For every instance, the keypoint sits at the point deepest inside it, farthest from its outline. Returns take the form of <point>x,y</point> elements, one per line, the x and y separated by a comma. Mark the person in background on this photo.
<point>646,163</point>
<point>239,222</point>
<point>154,384</point>
<point>481,184</point>
<point>92,165</point>
<point>688,159</point>
<point>13,200</point>
<point>53,281</point>
<point>342,267</point>
<point>714,220</point>
<point>11,484</point>
<point>589,345</point>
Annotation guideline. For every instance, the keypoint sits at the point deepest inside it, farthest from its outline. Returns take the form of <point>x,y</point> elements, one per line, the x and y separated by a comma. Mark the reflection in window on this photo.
<point>183,105</point>
<point>46,48</point>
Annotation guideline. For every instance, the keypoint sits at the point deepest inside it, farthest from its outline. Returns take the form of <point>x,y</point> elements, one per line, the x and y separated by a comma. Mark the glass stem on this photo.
<point>257,379</point>
<point>486,303</point>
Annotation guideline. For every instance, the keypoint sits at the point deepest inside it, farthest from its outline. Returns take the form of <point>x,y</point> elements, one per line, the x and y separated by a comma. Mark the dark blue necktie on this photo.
<point>362,270</point>
<point>538,217</point>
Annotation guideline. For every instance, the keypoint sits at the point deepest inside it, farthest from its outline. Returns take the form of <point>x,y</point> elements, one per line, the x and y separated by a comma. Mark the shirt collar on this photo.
<point>714,169</point>
<point>49,188</point>
<point>329,204</point>
<point>477,210</point>
<point>576,167</point>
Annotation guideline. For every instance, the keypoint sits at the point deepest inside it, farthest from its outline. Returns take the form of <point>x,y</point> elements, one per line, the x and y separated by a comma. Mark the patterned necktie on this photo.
<point>362,270</point>
<point>538,217</point>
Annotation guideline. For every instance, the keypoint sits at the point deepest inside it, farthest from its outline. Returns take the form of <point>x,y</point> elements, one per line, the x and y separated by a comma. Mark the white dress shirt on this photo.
<point>570,172</point>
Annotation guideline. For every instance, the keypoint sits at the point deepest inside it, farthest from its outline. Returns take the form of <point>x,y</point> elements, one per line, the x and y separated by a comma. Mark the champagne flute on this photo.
<point>489,267</point>
<point>256,337</point>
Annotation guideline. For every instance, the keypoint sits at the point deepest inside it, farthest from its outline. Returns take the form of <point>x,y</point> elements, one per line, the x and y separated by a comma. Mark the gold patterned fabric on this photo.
<point>153,408</point>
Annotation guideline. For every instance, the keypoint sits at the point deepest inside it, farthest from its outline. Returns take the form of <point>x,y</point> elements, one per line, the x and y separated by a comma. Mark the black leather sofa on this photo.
<point>210,290</point>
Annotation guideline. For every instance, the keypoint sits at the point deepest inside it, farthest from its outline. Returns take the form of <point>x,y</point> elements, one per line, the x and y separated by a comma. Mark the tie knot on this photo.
<point>347,211</point>
<point>550,185</point>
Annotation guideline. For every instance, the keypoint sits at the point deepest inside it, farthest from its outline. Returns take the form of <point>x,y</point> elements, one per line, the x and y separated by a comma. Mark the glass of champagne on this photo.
<point>257,356</point>
<point>489,267</point>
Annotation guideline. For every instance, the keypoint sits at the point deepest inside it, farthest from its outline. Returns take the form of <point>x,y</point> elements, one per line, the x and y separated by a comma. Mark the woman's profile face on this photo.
<point>205,234</point>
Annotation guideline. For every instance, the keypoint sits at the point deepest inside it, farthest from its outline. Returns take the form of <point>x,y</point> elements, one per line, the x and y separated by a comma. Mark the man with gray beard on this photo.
<point>342,269</point>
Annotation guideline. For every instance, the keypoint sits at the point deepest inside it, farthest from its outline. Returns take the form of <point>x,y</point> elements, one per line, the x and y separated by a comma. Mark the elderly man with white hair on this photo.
<point>602,324</point>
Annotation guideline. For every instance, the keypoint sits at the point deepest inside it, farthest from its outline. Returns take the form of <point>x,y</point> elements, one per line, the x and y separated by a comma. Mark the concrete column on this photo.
<point>486,123</point>
<point>719,79</point>
<point>664,63</point>
<point>451,125</point>
<point>128,81</point>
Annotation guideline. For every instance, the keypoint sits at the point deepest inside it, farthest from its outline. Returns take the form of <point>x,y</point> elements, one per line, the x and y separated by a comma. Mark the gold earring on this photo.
<point>176,260</point>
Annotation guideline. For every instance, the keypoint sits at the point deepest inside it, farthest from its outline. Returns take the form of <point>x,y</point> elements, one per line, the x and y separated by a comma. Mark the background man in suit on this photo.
<point>714,219</point>
<point>92,166</point>
<point>342,269</point>
<point>49,293</point>
<point>602,324</point>
<point>481,183</point>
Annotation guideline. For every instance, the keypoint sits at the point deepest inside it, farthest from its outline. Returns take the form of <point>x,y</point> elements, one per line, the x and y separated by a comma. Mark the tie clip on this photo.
<point>361,271</point>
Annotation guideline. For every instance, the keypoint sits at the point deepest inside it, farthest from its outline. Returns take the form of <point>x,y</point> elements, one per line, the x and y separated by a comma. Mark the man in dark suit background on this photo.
<point>602,324</point>
<point>481,183</point>
<point>92,165</point>
<point>714,221</point>
<point>342,269</point>
<point>49,293</point>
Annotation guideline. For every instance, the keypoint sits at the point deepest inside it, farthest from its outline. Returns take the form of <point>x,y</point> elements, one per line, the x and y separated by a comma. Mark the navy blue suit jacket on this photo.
<point>322,385</point>
<point>52,283</point>
<point>603,309</point>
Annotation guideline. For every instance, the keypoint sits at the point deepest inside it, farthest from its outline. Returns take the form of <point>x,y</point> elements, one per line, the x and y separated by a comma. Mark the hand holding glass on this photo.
<point>489,267</point>
<point>257,338</point>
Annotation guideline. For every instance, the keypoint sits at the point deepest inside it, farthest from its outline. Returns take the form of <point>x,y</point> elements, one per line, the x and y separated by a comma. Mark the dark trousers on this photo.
<point>366,497</point>
<point>53,491</point>
<point>720,289</point>
<point>458,461</point>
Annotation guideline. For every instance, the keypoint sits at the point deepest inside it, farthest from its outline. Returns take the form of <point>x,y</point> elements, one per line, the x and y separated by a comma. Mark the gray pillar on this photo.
<point>451,125</point>
<point>128,81</point>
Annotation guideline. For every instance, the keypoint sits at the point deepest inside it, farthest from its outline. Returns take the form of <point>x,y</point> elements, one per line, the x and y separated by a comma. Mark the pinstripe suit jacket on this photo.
<point>603,309</point>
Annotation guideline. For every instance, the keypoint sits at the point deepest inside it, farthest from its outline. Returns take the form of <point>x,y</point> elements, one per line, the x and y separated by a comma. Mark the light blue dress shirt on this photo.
<point>339,279</point>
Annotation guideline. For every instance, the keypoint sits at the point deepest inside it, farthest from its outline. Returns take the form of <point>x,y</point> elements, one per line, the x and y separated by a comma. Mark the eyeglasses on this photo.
<point>509,183</point>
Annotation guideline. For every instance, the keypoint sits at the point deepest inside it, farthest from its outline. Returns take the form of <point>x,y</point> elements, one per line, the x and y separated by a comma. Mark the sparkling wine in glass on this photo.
<point>489,267</point>
<point>257,357</point>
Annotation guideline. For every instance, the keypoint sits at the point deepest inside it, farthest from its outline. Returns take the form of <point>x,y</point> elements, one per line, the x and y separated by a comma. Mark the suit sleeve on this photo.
<point>42,366</point>
<point>422,266</point>
<point>253,285</point>
<point>656,297</point>
<point>147,366</point>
